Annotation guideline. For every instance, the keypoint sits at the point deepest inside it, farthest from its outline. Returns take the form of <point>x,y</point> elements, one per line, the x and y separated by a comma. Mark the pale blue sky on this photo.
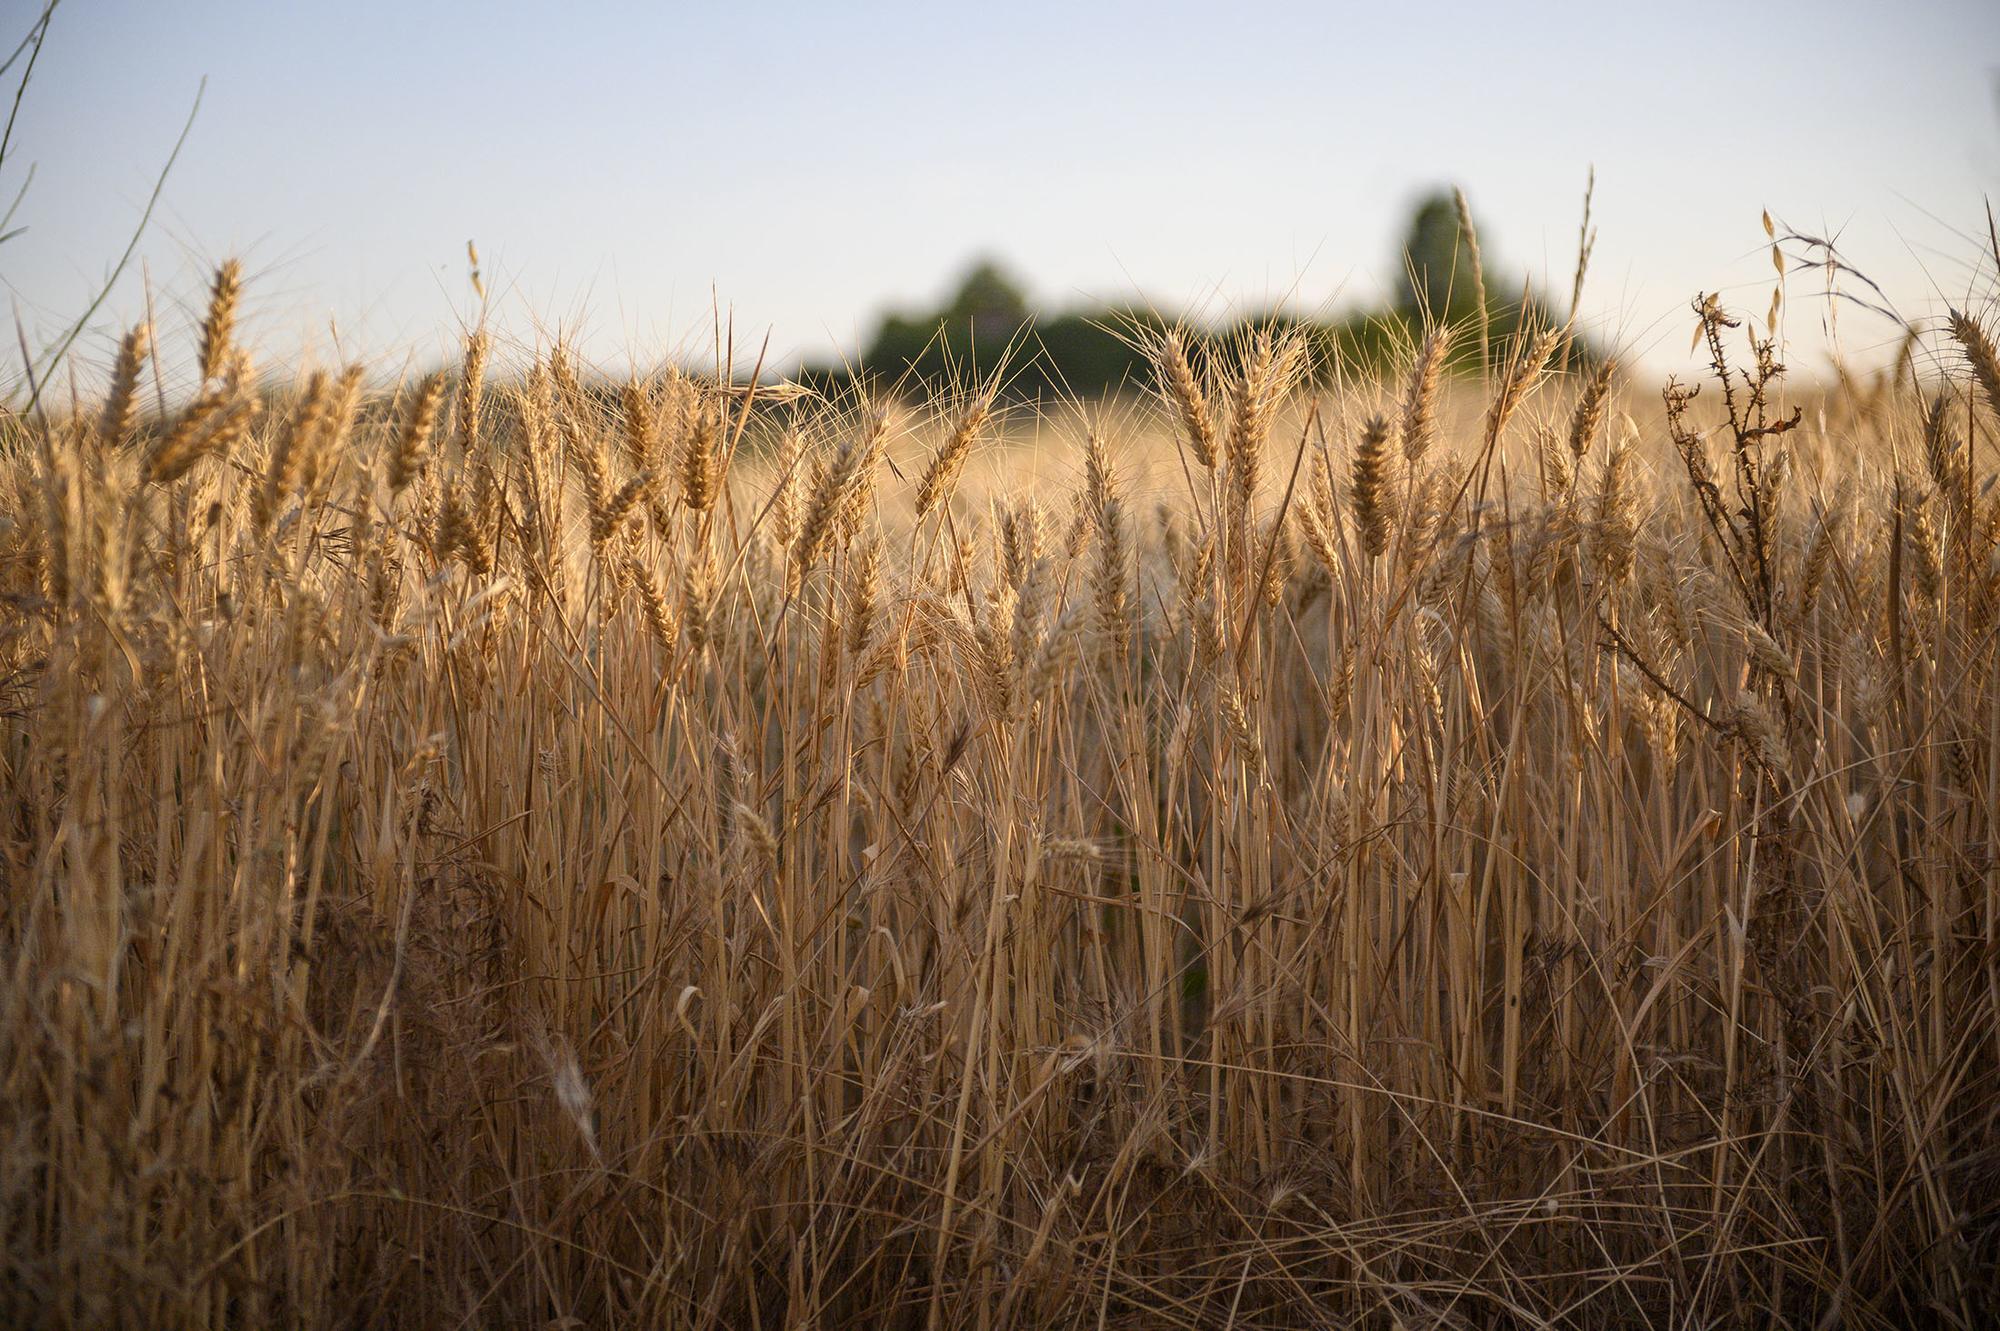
<point>811,164</point>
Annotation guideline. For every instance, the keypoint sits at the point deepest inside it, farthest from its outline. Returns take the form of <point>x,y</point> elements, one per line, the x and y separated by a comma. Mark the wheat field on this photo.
<point>1476,847</point>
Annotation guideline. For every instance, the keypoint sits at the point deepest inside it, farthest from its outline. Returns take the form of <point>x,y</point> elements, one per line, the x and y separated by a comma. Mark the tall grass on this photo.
<point>508,850</point>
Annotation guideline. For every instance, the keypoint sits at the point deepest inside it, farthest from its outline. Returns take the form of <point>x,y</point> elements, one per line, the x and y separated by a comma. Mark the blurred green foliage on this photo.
<point>1088,353</point>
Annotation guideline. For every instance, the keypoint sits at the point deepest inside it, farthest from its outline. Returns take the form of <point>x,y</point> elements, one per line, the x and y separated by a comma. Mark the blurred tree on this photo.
<point>1089,352</point>
<point>987,313</point>
<point>1437,282</point>
<point>1436,277</point>
<point>989,300</point>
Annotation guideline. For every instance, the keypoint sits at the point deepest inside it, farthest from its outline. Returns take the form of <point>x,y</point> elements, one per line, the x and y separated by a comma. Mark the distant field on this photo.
<point>1488,848</point>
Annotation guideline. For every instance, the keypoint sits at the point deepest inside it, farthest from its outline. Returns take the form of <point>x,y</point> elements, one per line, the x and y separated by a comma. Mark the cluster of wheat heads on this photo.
<point>511,850</point>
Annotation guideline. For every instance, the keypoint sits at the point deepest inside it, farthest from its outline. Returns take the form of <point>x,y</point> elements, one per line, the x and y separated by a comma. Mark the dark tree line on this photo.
<point>1088,352</point>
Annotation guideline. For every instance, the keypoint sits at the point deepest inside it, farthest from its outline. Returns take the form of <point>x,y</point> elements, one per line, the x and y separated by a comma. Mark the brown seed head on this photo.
<point>642,427</point>
<point>413,443</point>
<point>220,323</point>
<point>1185,390</point>
<point>121,404</point>
<point>698,461</point>
<point>1250,421</point>
<point>943,472</point>
<point>471,391</point>
<point>1583,426</point>
<point>1980,353</point>
<point>1420,399</point>
<point>1369,484</point>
